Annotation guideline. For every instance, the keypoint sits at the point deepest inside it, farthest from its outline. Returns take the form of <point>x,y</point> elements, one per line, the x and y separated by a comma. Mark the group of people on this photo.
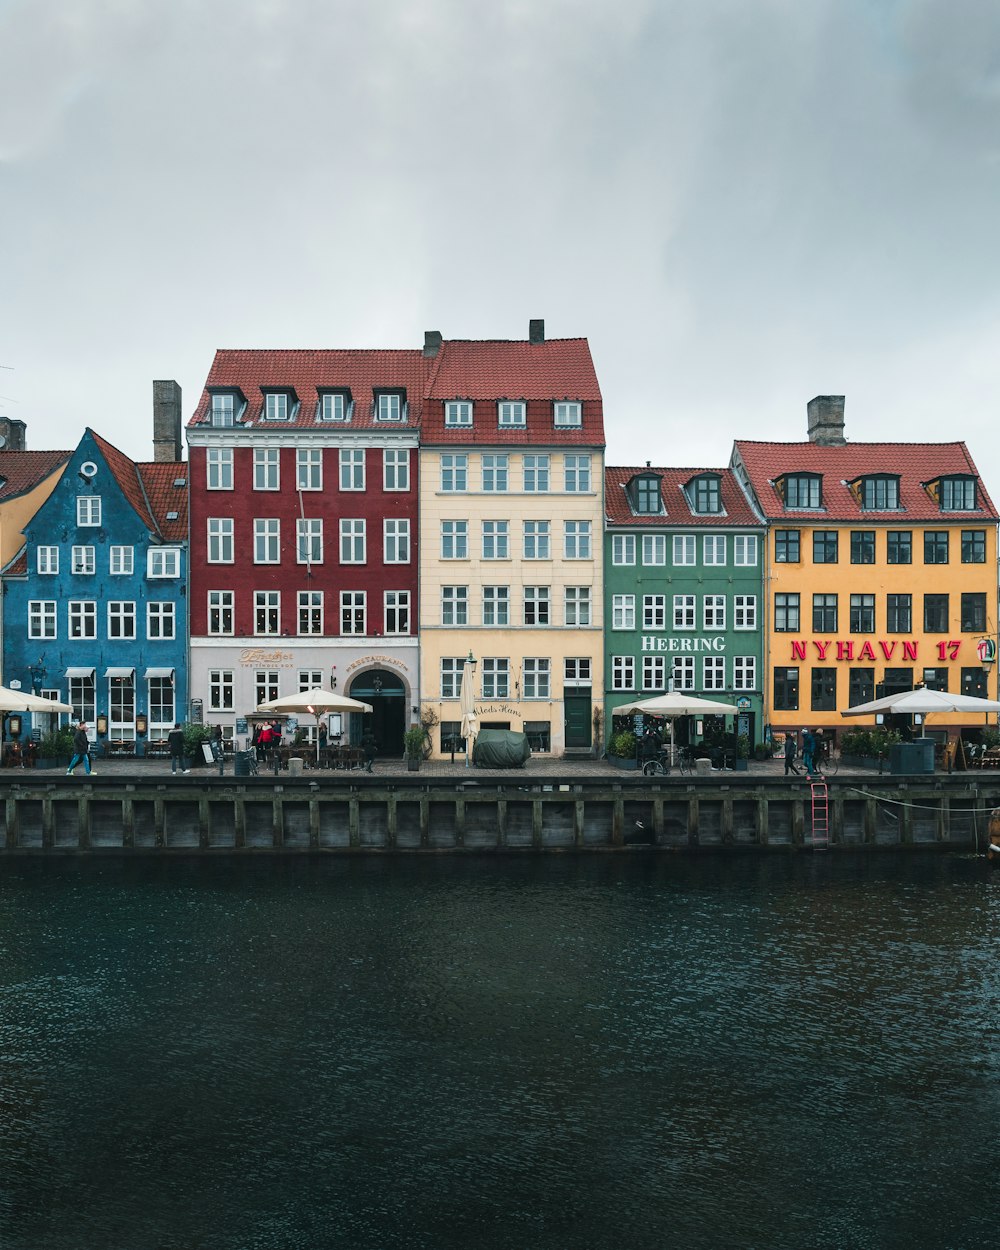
<point>813,748</point>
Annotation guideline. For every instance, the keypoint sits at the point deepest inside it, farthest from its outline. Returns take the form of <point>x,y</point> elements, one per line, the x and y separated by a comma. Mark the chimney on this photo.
<point>12,434</point>
<point>166,421</point>
<point>432,343</point>
<point>826,420</point>
<point>536,331</point>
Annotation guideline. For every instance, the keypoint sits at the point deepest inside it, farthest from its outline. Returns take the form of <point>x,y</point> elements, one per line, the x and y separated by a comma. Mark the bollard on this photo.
<point>295,766</point>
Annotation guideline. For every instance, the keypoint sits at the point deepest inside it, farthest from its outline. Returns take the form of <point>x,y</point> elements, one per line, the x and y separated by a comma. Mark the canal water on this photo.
<point>622,1051</point>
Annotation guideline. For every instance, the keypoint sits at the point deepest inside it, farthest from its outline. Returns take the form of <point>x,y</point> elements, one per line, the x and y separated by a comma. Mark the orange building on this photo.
<point>880,573</point>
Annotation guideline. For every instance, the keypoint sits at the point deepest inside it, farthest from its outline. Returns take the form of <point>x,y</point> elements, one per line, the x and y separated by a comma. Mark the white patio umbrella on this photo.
<point>467,703</point>
<point>923,702</point>
<point>318,702</point>
<point>24,701</point>
<point>674,703</point>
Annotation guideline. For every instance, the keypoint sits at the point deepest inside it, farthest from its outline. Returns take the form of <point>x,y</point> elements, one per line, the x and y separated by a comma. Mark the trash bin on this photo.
<point>924,748</point>
<point>912,757</point>
<point>295,766</point>
<point>242,764</point>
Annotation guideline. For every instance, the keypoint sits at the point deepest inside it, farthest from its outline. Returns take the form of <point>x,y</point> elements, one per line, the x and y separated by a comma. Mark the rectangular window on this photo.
<point>276,406</point>
<point>745,550</point>
<point>334,406</point>
<point>654,611</point>
<point>682,672</point>
<point>622,672</point>
<point>803,491</point>
<point>787,547</point>
<point>88,510</point>
<point>713,672</point>
<point>495,473</point>
<point>935,614</point>
<point>310,613</point>
<point>454,472</point>
<point>576,672</point>
<point>647,496</point>
<point>654,672</point>
<point>396,541</point>
<point>536,678</point>
<point>266,540</point>
<point>786,613</point>
<point>826,547</point>
<point>82,696</point>
<point>567,414</point>
<point>396,468</point>
<point>860,686</point>
<point>160,619</point>
<point>536,474</point>
<point>82,618</point>
<point>219,468</point>
<point>786,689</point>
<point>310,679</point>
<point>454,540</point>
<point>623,549</point>
<point>221,605</point>
<point>684,549</point>
<point>577,605</point>
<point>266,474</point>
<point>352,541</point>
<point>163,562</point>
<point>121,706</point>
<point>309,540</point>
<point>42,618</point>
<point>396,608</point>
<point>899,547</point>
<point>975,682</point>
<point>496,606</point>
<point>353,612</point>
<point>496,540</point>
<point>265,684</point>
<point>309,468</point>
<point>267,612</point>
<point>83,560</point>
<point>220,690</point>
<point>458,412</point>
<point>496,678</point>
<point>222,410</point>
<point>935,547</point>
<point>898,614</point>
<point>824,690</point>
<point>511,413</point>
<point>713,549</point>
<point>744,672</point>
<point>451,677</point>
<point>824,614</point>
<point>973,618</point>
<point>537,540</point>
<point>576,474</point>
<point>352,469</point>
<point>880,493</point>
<point>973,546</point>
<point>623,612</point>
<point>744,611</point>
<point>454,605</point>
<point>936,679</point>
<point>390,406</point>
<point>162,711</point>
<point>220,540</point>
<point>862,546</point>
<point>684,612</point>
<point>48,560</point>
<point>654,549</point>
<point>536,605</point>
<point>121,561</point>
<point>576,540</point>
<point>862,614</point>
<point>707,495</point>
<point>958,494</point>
<point>713,611</point>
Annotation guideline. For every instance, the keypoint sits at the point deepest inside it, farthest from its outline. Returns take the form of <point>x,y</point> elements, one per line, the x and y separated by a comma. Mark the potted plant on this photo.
<point>413,747</point>
<point>194,736</point>
<point>56,748</point>
<point>742,753</point>
<point>622,749</point>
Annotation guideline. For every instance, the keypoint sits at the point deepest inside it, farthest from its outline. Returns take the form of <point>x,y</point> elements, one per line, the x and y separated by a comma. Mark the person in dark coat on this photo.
<point>370,748</point>
<point>791,750</point>
<point>175,746</point>
<point>81,751</point>
<point>809,751</point>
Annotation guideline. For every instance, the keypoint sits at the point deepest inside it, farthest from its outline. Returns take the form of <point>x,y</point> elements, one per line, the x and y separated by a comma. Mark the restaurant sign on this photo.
<point>851,651</point>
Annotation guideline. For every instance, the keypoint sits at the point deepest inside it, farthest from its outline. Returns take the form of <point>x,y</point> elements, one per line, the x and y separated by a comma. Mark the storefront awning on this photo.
<point>80,672</point>
<point>119,672</point>
<point>158,672</point>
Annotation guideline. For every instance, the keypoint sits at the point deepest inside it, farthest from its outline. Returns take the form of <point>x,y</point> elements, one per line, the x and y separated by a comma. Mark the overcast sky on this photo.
<point>741,203</point>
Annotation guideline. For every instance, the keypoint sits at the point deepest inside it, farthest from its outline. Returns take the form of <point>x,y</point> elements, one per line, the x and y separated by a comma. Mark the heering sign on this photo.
<point>651,642</point>
<point>851,651</point>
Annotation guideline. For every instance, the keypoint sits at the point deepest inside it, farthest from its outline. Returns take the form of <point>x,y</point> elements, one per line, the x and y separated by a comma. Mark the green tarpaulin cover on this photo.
<point>500,748</point>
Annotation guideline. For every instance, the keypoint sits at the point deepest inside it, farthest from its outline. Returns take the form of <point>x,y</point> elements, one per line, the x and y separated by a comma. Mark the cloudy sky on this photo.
<point>741,203</point>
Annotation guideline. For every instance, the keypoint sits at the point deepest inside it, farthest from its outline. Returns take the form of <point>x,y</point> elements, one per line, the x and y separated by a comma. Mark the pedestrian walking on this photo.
<point>791,750</point>
<point>370,748</point>
<point>175,745</point>
<point>809,751</point>
<point>81,751</point>
<point>217,748</point>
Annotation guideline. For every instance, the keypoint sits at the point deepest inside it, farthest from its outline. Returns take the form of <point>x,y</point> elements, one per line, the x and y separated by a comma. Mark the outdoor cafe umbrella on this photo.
<point>922,701</point>
<point>23,701</point>
<point>674,703</point>
<point>467,704</point>
<point>318,702</point>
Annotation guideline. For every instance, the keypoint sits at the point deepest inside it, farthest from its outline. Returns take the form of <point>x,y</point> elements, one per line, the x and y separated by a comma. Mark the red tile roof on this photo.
<point>20,471</point>
<point>618,510</point>
<point>126,474</point>
<point>168,500</point>
<point>913,463</point>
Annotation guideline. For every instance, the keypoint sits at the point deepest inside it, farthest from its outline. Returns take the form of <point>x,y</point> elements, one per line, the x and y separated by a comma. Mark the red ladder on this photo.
<point>820,814</point>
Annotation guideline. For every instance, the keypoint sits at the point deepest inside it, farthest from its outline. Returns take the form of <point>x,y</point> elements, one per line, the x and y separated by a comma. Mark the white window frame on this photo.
<point>163,562</point>
<point>43,619</point>
<point>353,540</point>
<point>396,540</point>
<point>654,549</point>
<point>713,550</point>
<point>267,468</point>
<point>496,607</point>
<point>84,560</point>
<point>713,611</point>
<point>266,540</point>
<point>219,468</point>
<point>537,540</point>
<point>496,677</point>
<point>121,619</point>
<point>121,561</point>
<point>457,412</point>
<point>221,612</point>
<point>396,612</point>
<point>220,690</point>
<point>353,602</point>
<point>654,611</point>
<point>623,611</point>
<point>745,549</point>
<point>713,672</point>
<point>276,406</point>
<point>451,671</point>
<point>220,540</point>
<point>309,468</point>
<point>623,549</point>
<point>161,619</point>
<point>334,406</point>
<point>455,605</point>
<point>310,613</point>
<point>454,540</point>
<point>654,672</point>
<point>309,540</point>
<point>577,537</point>
<point>495,469</point>
<point>511,414</point>
<point>685,551</point>
<point>536,678</point>
<point>496,540</point>
<point>454,473</point>
<point>223,411</point>
<point>88,511</point>
<point>47,561</point>
<point>82,617</point>
<point>396,468</point>
<point>744,612</point>
<point>685,612</point>
<point>352,468</point>
<point>537,602</point>
<point>682,672</point>
<point>266,613</point>
<point>537,470</point>
<point>577,474</point>
<point>567,414</point>
<point>623,672</point>
<point>744,672</point>
<point>577,606</point>
<point>390,406</point>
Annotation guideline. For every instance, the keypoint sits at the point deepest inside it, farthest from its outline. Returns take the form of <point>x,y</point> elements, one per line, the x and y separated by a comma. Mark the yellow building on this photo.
<point>511,540</point>
<point>881,570</point>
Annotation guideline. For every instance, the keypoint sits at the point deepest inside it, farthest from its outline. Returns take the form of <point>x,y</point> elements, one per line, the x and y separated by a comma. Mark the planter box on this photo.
<point>618,761</point>
<point>740,765</point>
<point>412,766</point>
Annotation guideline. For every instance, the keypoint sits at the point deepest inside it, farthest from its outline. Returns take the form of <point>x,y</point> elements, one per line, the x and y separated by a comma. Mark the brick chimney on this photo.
<point>12,434</point>
<point>536,331</point>
<point>432,343</point>
<point>826,420</point>
<point>167,445</point>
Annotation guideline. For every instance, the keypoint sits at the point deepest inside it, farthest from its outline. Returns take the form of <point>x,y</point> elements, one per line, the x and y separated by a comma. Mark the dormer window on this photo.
<point>567,414</point>
<point>335,406</point>
<point>279,405</point>
<point>390,406</point>
<point>226,407</point>
<point>879,494</point>
<point>705,494</point>
<point>647,499</point>
<point>958,494</point>
<point>511,412</point>
<point>802,490</point>
<point>458,412</point>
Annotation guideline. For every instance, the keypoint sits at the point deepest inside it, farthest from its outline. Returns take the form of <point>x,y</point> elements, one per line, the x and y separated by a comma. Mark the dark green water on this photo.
<point>552,1052</point>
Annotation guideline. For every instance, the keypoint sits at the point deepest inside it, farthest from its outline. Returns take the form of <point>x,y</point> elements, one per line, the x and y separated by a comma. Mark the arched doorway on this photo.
<point>385,691</point>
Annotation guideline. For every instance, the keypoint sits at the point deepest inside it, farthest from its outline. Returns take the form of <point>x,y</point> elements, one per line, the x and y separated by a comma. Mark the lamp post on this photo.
<point>468,700</point>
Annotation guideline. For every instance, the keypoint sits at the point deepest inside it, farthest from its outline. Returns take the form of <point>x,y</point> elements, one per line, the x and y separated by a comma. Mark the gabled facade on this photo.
<point>304,532</point>
<point>881,569</point>
<point>95,606</point>
<point>511,518</point>
<point>683,603</point>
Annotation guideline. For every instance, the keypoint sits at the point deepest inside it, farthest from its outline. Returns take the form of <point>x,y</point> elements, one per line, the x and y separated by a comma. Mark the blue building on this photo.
<point>95,610</point>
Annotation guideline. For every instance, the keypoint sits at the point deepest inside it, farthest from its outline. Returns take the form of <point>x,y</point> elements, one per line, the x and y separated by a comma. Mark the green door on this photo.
<point>577,712</point>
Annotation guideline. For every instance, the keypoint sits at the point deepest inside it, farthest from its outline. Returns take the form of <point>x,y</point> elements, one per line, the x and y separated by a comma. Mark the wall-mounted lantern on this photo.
<point>102,725</point>
<point>141,724</point>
